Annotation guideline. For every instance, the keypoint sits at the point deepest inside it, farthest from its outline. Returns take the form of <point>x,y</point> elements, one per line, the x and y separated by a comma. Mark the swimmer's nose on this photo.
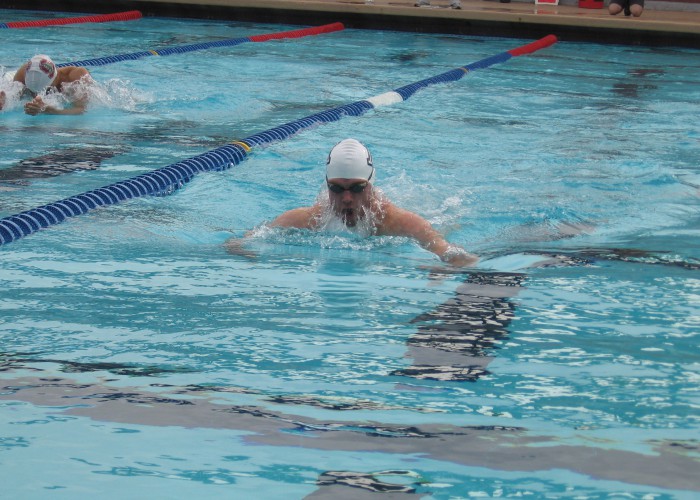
<point>347,197</point>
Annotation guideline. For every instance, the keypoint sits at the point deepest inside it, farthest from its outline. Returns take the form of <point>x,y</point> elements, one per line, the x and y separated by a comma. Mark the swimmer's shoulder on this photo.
<point>300,218</point>
<point>18,75</point>
<point>70,74</point>
<point>393,220</point>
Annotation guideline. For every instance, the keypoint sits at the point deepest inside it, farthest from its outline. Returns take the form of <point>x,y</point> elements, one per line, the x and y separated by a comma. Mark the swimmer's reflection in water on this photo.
<point>353,202</point>
<point>457,340</point>
<point>454,341</point>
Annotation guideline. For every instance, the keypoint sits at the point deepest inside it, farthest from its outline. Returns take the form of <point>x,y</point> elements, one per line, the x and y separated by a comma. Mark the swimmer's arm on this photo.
<point>236,246</point>
<point>78,98</point>
<point>78,103</point>
<point>416,227</point>
<point>37,106</point>
<point>297,218</point>
<point>14,91</point>
<point>300,218</point>
<point>451,253</point>
<point>19,75</point>
<point>77,108</point>
<point>19,78</point>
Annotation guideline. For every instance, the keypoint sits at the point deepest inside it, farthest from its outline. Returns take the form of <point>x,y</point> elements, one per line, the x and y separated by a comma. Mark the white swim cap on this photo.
<point>349,159</point>
<point>40,72</point>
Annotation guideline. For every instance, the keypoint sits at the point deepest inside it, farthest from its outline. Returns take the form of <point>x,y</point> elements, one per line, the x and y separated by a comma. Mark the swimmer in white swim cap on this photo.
<point>39,75</point>
<point>349,159</point>
<point>349,171</point>
<point>353,200</point>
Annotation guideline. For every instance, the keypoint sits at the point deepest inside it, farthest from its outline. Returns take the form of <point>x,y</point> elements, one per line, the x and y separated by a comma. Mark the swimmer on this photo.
<point>354,203</point>
<point>40,76</point>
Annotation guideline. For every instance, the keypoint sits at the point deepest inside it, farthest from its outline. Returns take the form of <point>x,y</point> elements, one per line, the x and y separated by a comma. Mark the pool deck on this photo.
<point>569,22</point>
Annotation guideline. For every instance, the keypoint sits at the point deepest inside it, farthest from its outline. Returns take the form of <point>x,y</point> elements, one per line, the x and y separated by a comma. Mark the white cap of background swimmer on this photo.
<point>40,72</point>
<point>349,159</point>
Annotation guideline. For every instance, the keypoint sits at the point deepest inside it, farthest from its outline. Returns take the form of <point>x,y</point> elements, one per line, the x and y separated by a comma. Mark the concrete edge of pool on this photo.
<point>477,17</point>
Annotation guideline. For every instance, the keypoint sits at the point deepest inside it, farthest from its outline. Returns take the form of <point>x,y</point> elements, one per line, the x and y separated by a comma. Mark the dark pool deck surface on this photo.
<point>477,17</point>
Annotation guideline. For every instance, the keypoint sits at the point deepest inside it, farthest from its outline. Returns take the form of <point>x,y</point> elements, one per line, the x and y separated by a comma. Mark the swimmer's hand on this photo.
<point>35,106</point>
<point>3,98</point>
<point>458,257</point>
<point>236,246</point>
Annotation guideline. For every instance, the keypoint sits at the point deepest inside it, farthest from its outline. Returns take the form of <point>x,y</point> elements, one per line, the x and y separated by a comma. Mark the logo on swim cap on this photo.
<point>349,159</point>
<point>39,74</point>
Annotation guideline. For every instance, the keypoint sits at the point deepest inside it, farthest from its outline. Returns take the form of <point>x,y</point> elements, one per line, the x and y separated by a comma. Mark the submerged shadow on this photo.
<point>632,89</point>
<point>455,340</point>
<point>21,361</point>
<point>72,159</point>
<point>495,448</point>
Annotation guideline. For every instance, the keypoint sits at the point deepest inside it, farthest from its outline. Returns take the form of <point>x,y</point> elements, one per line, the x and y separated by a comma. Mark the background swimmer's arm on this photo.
<point>78,108</point>
<point>13,90</point>
<point>77,96</point>
<point>37,106</point>
<point>19,75</point>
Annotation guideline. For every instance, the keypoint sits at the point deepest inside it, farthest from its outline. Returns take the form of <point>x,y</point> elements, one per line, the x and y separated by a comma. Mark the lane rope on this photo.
<point>166,180</point>
<point>101,61</point>
<point>104,18</point>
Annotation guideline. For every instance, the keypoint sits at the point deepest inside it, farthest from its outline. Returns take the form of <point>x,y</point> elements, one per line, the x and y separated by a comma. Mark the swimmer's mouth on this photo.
<point>348,215</point>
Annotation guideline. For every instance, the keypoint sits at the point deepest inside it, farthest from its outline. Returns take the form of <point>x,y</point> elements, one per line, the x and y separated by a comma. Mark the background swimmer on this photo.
<point>39,76</point>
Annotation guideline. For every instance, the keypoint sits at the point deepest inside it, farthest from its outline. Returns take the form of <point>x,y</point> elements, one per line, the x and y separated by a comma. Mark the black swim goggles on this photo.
<point>355,188</point>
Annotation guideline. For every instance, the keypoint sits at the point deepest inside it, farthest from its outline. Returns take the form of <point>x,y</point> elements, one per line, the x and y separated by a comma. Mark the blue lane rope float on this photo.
<point>166,180</point>
<point>101,61</point>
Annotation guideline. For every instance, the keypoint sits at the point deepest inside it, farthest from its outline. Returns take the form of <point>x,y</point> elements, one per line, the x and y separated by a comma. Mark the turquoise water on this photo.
<point>140,359</point>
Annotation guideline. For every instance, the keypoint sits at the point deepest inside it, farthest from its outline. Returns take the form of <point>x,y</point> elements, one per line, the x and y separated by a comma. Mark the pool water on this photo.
<point>138,358</point>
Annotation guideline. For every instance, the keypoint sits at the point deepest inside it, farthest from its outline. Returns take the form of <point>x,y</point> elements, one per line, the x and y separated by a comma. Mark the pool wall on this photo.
<point>483,18</point>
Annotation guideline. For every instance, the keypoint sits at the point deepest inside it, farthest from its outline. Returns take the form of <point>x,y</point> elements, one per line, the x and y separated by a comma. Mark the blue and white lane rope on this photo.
<point>165,180</point>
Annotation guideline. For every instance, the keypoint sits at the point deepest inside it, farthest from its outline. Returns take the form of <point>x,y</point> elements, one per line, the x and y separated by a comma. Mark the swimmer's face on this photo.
<point>348,198</point>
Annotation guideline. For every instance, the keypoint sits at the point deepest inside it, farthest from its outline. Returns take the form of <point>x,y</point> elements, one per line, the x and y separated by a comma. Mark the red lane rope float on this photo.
<point>534,46</point>
<point>317,30</point>
<point>104,18</point>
